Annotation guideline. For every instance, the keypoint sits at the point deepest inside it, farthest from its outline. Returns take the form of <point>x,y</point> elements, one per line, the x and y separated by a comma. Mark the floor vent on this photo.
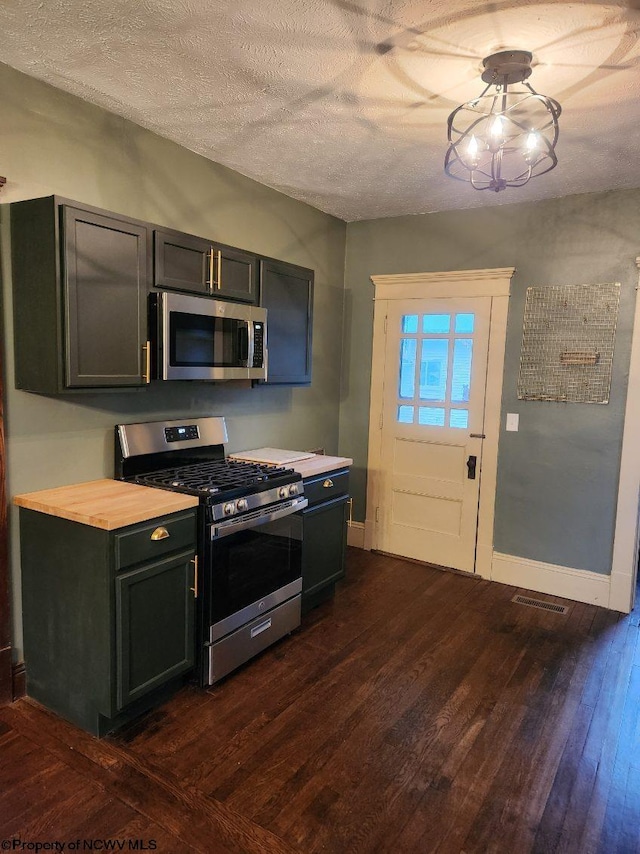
<point>539,603</point>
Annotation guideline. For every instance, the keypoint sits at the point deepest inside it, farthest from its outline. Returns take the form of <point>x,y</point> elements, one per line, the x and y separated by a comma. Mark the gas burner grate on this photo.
<point>212,478</point>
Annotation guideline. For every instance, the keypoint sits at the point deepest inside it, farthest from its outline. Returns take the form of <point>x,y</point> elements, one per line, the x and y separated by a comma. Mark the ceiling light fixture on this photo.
<point>505,136</point>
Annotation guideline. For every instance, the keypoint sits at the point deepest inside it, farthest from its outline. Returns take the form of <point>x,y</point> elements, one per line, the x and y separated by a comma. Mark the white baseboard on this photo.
<point>355,535</point>
<point>622,592</point>
<point>577,584</point>
<point>369,531</point>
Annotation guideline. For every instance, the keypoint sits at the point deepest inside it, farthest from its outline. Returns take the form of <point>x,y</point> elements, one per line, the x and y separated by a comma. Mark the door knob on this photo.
<point>471,467</point>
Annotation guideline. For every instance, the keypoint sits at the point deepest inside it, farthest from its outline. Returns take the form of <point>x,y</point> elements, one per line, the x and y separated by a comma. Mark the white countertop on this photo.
<point>319,464</point>
<point>316,464</point>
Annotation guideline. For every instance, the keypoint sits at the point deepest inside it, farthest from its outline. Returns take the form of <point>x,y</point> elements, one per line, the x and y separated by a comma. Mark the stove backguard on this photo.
<point>153,445</point>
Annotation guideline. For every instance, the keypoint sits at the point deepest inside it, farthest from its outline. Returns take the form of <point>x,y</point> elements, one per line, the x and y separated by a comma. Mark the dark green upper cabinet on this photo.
<point>181,262</point>
<point>287,293</point>
<point>236,274</point>
<point>187,263</point>
<point>80,283</point>
<point>106,287</point>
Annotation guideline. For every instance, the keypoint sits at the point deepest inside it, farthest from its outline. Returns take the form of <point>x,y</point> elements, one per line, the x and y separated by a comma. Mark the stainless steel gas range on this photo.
<point>249,536</point>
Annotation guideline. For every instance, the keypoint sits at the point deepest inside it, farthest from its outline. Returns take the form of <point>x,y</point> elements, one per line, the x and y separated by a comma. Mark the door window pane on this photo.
<point>459,418</point>
<point>410,323</point>
<point>436,324</point>
<point>461,374</point>
<point>433,369</point>
<point>433,416</point>
<point>407,382</point>
<point>405,414</point>
<point>464,323</point>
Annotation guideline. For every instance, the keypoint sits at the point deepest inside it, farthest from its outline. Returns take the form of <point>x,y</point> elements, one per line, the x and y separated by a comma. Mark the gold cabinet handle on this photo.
<point>194,589</point>
<point>213,283</point>
<point>210,282</point>
<point>328,483</point>
<point>216,283</point>
<point>146,349</point>
<point>160,534</point>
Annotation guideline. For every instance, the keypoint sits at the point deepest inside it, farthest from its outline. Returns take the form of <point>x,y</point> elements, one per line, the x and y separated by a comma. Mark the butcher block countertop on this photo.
<point>106,504</point>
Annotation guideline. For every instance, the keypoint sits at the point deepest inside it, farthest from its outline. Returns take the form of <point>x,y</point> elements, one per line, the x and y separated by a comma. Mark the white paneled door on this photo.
<point>433,414</point>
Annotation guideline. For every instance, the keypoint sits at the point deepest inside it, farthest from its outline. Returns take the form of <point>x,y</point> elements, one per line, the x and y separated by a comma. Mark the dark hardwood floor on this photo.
<point>421,711</point>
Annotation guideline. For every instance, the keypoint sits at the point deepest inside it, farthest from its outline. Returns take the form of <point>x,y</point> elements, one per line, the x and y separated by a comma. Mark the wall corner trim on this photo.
<point>355,535</point>
<point>19,680</point>
<point>580,585</point>
<point>627,531</point>
<point>6,681</point>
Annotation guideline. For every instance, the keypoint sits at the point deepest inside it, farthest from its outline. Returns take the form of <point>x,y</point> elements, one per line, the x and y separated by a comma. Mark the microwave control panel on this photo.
<point>258,345</point>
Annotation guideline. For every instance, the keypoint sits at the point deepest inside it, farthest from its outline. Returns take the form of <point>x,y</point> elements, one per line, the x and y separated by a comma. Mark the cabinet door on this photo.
<point>286,291</point>
<point>182,262</point>
<point>105,287</point>
<point>154,625</point>
<point>324,542</point>
<point>236,275</point>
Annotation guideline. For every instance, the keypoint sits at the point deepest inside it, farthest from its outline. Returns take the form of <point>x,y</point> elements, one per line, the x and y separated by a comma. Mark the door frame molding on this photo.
<point>6,651</point>
<point>626,537</point>
<point>494,283</point>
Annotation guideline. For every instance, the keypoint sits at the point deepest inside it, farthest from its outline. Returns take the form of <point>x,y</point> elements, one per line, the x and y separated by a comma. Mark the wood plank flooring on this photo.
<point>421,711</point>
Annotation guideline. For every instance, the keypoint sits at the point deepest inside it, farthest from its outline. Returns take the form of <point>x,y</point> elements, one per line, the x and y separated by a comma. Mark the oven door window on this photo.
<point>210,342</point>
<point>249,565</point>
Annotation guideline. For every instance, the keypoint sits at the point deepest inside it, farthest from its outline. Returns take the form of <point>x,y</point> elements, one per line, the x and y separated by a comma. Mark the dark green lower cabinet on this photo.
<point>324,537</point>
<point>154,626</point>
<point>108,615</point>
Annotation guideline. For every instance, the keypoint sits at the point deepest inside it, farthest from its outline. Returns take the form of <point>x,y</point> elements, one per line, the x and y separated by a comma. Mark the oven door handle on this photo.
<point>233,526</point>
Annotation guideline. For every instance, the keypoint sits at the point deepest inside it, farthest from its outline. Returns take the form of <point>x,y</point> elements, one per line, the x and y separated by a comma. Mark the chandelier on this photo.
<point>505,136</point>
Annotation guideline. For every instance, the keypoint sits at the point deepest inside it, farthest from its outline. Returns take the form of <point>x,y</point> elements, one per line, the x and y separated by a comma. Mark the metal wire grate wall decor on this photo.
<point>567,343</point>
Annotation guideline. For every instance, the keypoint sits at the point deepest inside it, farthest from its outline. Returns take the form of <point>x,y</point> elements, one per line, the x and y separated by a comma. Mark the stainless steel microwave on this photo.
<point>199,338</point>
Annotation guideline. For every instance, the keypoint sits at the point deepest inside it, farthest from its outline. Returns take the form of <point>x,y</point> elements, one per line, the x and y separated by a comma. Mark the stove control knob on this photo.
<point>293,489</point>
<point>242,504</point>
<point>228,509</point>
<point>283,492</point>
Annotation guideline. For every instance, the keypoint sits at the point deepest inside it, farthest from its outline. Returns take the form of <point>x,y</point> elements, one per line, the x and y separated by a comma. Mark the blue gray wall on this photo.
<point>55,143</point>
<point>557,476</point>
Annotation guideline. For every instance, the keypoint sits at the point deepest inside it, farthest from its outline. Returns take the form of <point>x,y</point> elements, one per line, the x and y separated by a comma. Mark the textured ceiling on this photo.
<point>343,104</point>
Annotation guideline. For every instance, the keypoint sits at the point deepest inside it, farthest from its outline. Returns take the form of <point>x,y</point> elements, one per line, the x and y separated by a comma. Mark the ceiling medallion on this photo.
<point>505,136</point>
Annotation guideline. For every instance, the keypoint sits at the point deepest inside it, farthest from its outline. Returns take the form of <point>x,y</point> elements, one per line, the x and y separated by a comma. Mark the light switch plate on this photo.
<point>513,420</point>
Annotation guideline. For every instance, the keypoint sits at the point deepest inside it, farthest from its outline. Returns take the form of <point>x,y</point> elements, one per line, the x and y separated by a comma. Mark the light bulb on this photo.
<point>472,152</point>
<point>532,141</point>
<point>496,127</point>
<point>531,147</point>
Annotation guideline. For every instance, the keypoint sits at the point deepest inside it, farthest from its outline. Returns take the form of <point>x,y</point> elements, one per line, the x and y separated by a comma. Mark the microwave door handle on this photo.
<point>250,333</point>
<point>243,342</point>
